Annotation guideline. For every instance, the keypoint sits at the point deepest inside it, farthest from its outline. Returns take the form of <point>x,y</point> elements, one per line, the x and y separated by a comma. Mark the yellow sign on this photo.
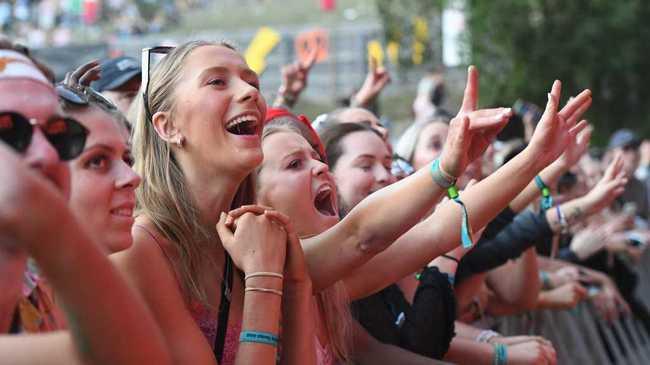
<point>262,44</point>
<point>420,29</point>
<point>376,53</point>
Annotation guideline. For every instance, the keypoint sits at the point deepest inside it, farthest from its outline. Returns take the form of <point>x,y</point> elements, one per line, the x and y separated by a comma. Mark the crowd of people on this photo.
<point>43,23</point>
<point>163,213</point>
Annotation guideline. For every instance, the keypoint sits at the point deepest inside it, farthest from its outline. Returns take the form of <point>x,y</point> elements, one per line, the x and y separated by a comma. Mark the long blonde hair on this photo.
<point>333,302</point>
<point>163,196</point>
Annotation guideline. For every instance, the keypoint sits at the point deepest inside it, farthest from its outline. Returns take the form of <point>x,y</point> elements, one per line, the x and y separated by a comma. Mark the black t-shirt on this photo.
<point>426,327</point>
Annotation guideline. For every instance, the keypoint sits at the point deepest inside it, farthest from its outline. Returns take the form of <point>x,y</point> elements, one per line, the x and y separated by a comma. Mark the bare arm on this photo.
<point>106,318</point>
<point>517,282</point>
<point>375,223</point>
<point>550,175</point>
<point>483,201</point>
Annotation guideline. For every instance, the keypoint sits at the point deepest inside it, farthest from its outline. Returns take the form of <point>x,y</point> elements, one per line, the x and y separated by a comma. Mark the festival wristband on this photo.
<point>259,337</point>
<point>500,354</point>
<point>547,200</point>
<point>564,225</point>
<point>486,335</point>
<point>452,192</point>
<point>546,281</point>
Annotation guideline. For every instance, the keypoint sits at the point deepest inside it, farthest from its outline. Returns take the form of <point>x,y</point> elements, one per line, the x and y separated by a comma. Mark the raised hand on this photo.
<point>256,244</point>
<point>83,75</point>
<point>472,130</point>
<point>557,129</point>
<point>610,186</point>
<point>23,194</point>
<point>294,80</point>
<point>577,147</point>
<point>376,79</point>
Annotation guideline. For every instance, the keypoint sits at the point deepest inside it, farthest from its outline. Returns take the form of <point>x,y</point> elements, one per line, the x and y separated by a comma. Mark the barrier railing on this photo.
<point>581,336</point>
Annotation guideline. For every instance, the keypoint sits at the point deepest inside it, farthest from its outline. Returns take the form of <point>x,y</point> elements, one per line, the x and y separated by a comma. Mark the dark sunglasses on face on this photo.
<point>66,135</point>
<point>82,96</point>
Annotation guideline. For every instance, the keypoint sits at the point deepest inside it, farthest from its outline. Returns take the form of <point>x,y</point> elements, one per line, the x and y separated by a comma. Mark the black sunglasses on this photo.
<point>66,135</point>
<point>146,72</point>
<point>83,95</point>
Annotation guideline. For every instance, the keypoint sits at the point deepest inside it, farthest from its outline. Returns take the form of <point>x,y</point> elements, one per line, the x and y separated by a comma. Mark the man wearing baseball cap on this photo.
<point>120,81</point>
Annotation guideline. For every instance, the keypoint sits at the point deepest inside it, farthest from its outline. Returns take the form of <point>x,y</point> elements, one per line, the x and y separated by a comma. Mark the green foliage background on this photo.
<point>521,46</point>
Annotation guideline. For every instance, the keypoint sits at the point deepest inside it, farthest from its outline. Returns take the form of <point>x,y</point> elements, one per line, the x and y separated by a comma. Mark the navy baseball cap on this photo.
<point>624,138</point>
<point>115,72</point>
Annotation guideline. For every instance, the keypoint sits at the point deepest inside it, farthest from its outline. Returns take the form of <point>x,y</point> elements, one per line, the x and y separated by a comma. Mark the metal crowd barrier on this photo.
<point>581,336</point>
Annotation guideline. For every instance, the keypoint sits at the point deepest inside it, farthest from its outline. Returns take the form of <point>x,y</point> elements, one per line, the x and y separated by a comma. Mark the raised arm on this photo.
<point>375,223</point>
<point>106,318</point>
<point>576,149</point>
<point>440,232</point>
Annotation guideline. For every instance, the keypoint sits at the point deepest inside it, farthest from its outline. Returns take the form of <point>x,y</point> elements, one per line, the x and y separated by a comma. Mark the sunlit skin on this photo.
<point>103,183</point>
<point>36,100</point>
<point>124,95</point>
<point>216,87</point>
<point>429,144</point>
<point>363,168</point>
<point>290,178</point>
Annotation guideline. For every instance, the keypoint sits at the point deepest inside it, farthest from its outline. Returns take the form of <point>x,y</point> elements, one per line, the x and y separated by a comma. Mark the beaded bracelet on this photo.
<point>259,337</point>
<point>452,192</point>
<point>547,199</point>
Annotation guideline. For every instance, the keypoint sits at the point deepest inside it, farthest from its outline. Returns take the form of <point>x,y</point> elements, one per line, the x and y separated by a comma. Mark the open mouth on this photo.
<point>244,125</point>
<point>324,202</point>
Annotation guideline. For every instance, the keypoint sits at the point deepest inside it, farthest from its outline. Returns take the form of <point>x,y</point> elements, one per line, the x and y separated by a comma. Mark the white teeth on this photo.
<point>125,212</point>
<point>241,119</point>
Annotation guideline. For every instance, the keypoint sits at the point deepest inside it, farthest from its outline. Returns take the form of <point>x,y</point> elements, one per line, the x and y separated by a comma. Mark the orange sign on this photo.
<point>306,41</point>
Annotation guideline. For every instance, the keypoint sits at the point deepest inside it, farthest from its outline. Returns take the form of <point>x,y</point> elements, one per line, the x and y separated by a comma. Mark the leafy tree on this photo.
<point>521,46</point>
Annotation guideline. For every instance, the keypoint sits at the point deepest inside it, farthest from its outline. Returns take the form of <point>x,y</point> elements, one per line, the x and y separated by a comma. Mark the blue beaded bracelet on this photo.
<point>547,199</point>
<point>452,193</point>
<point>259,337</point>
<point>500,354</point>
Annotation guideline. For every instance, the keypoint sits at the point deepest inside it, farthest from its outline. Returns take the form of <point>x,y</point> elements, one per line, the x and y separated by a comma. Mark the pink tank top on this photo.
<point>206,319</point>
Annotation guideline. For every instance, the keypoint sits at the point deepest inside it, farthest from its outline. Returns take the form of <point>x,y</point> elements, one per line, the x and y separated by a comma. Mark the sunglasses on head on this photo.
<point>66,135</point>
<point>146,71</point>
<point>82,96</point>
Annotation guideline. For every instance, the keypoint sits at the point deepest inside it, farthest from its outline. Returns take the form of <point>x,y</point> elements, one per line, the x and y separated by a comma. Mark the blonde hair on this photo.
<point>333,302</point>
<point>163,196</point>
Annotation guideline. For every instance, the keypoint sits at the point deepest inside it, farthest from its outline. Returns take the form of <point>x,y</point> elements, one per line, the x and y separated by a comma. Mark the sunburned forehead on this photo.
<point>28,97</point>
